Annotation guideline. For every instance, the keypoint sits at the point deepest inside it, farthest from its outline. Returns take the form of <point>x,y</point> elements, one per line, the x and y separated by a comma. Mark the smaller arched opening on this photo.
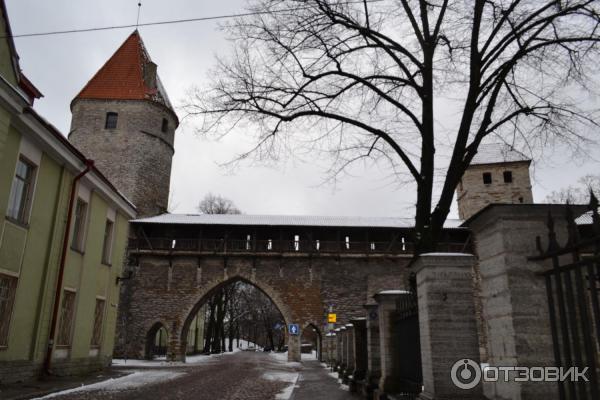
<point>311,343</point>
<point>157,342</point>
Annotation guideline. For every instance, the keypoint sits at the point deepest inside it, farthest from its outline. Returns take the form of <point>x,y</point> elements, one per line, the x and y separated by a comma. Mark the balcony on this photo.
<point>265,247</point>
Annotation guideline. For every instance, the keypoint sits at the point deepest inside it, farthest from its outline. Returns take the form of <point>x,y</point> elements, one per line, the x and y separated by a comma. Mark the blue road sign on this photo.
<point>294,329</point>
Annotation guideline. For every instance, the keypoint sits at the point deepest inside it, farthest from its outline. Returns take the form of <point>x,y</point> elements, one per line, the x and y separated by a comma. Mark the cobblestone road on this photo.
<point>239,376</point>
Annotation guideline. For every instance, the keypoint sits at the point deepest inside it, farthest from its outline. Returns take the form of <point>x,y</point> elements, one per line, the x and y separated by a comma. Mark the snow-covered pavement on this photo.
<point>240,375</point>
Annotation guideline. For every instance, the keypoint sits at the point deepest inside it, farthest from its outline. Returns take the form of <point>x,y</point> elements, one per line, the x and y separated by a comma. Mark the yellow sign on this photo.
<point>332,318</point>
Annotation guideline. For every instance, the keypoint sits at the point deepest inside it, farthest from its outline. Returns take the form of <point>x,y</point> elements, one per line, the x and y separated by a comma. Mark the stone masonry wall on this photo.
<point>136,156</point>
<point>473,195</point>
<point>301,287</point>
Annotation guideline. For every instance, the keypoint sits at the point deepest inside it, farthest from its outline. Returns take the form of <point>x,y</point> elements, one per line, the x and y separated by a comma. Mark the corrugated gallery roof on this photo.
<point>122,76</point>
<point>585,219</point>
<point>497,153</point>
<point>286,220</point>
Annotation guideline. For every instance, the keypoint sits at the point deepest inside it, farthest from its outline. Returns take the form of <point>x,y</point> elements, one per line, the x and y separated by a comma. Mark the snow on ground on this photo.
<point>309,356</point>
<point>283,357</point>
<point>335,376</point>
<point>291,377</point>
<point>128,382</point>
<point>189,360</point>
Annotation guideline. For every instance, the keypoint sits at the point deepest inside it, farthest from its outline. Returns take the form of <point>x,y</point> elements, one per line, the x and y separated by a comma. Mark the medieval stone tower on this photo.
<point>497,174</point>
<point>123,120</point>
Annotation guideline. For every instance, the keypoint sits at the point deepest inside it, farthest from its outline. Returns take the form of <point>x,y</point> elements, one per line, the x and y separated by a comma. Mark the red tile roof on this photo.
<point>122,77</point>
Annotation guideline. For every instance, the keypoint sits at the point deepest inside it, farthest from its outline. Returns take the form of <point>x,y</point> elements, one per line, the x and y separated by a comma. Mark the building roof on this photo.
<point>122,77</point>
<point>585,219</point>
<point>25,86</point>
<point>495,153</point>
<point>286,220</point>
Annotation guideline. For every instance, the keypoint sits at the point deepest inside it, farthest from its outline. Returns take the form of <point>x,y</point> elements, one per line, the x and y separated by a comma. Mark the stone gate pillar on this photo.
<point>325,348</point>
<point>386,302</point>
<point>513,296</point>
<point>332,350</point>
<point>338,349</point>
<point>447,322</point>
<point>360,352</point>
<point>343,352</point>
<point>373,354</point>
<point>349,353</point>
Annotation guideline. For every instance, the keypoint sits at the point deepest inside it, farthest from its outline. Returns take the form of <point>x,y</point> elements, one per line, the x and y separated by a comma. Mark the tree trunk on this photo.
<point>231,336</point>
<point>425,242</point>
<point>210,328</point>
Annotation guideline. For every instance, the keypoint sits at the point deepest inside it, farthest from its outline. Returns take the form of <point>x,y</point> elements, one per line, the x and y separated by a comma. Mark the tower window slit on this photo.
<point>111,120</point>
<point>487,178</point>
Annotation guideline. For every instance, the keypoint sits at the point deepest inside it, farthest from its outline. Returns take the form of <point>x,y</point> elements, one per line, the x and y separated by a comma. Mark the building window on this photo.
<point>507,176</point>
<point>108,242</point>
<point>8,288</point>
<point>98,320</point>
<point>487,178</point>
<point>165,125</point>
<point>21,192</point>
<point>111,120</point>
<point>79,225</point>
<point>67,314</point>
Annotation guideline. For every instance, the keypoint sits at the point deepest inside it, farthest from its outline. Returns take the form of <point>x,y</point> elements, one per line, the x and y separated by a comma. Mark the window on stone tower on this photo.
<point>111,120</point>
<point>507,176</point>
<point>165,125</point>
<point>487,178</point>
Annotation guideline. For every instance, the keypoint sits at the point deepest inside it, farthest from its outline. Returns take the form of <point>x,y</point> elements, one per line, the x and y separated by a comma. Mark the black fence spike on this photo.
<point>593,201</point>
<point>595,217</point>
<point>572,230</point>
<point>552,243</point>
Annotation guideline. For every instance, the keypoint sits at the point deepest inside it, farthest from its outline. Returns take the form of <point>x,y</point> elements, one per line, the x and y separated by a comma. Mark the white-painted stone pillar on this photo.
<point>447,322</point>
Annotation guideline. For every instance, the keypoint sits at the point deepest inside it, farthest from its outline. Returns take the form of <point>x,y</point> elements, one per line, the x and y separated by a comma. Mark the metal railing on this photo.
<point>573,290</point>
<point>284,246</point>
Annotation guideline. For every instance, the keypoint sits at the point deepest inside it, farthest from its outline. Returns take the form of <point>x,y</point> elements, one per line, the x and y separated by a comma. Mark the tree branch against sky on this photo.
<point>578,193</point>
<point>217,204</point>
<point>367,80</point>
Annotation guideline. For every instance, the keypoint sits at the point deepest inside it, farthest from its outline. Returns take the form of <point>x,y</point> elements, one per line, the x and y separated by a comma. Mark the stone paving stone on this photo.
<point>316,384</point>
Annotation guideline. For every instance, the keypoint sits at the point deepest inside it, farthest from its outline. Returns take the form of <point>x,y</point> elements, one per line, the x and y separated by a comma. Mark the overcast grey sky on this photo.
<point>61,65</point>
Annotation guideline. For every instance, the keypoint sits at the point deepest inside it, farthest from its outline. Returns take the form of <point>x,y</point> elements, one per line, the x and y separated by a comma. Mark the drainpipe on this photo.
<point>89,164</point>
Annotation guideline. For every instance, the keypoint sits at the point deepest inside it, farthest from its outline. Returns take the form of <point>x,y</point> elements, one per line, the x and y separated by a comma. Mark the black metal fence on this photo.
<point>407,345</point>
<point>573,288</point>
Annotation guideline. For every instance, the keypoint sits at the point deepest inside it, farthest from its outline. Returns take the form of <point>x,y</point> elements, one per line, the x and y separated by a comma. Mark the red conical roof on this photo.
<point>122,77</point>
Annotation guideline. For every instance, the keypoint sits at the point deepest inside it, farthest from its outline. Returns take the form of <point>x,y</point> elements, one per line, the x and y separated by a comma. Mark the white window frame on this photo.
<point>78,236</point>
<point>103,321</point>
<point>73,318</point>
<point>29,193</point>
<point>107,251</point>
<point>12,307</point>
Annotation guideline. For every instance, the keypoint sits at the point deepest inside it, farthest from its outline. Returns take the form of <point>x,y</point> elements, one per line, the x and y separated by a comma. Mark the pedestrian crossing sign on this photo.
<point>294,329</point>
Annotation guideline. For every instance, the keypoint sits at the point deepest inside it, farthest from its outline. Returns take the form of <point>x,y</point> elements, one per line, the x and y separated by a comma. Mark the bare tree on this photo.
<point>216,204</point>
<point>368,80</point>
<point>576,194</point>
